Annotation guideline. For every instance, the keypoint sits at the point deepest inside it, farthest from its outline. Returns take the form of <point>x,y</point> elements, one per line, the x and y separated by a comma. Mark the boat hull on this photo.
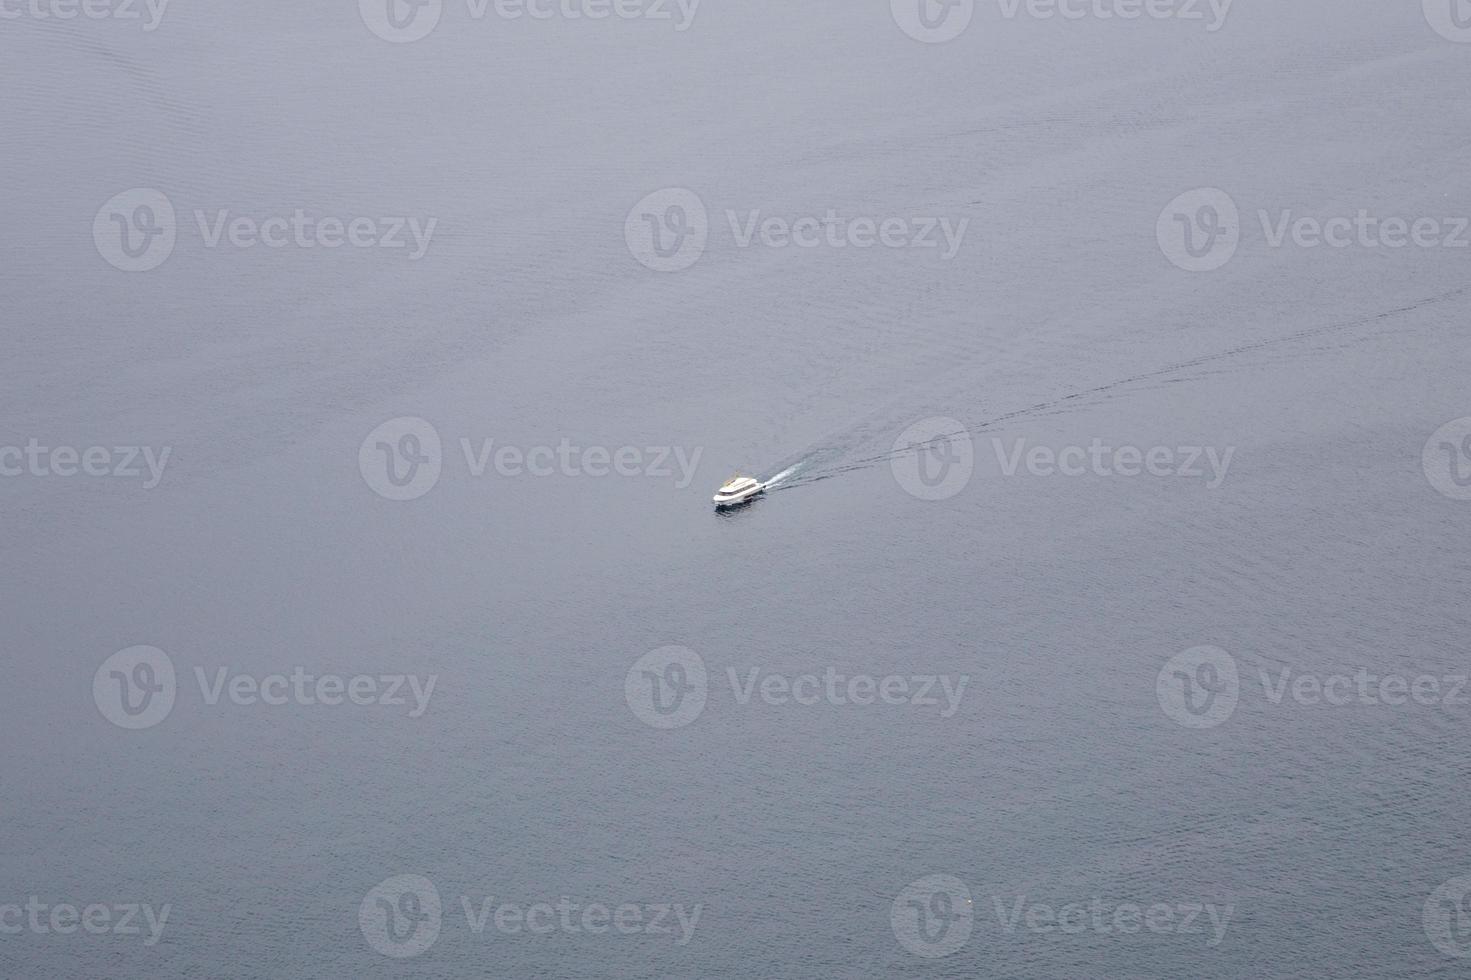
<point>725,502</point>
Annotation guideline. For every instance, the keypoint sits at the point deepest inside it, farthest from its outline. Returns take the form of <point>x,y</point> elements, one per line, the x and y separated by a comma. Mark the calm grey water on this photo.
<point>1178,723</point>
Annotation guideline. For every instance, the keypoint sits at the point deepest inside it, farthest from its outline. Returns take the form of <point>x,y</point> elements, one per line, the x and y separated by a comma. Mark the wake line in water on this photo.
<point>807,460</point>
<point>776,480</point>
<point>793,467</point>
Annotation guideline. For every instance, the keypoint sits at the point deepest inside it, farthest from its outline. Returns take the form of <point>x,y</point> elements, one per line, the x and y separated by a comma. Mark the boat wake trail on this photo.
<point>775,481</point>
<point>832,457</point>
<point>799,469</point>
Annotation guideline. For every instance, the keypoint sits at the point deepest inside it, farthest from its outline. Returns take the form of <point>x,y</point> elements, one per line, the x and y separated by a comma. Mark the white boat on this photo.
<point>737,490</point>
